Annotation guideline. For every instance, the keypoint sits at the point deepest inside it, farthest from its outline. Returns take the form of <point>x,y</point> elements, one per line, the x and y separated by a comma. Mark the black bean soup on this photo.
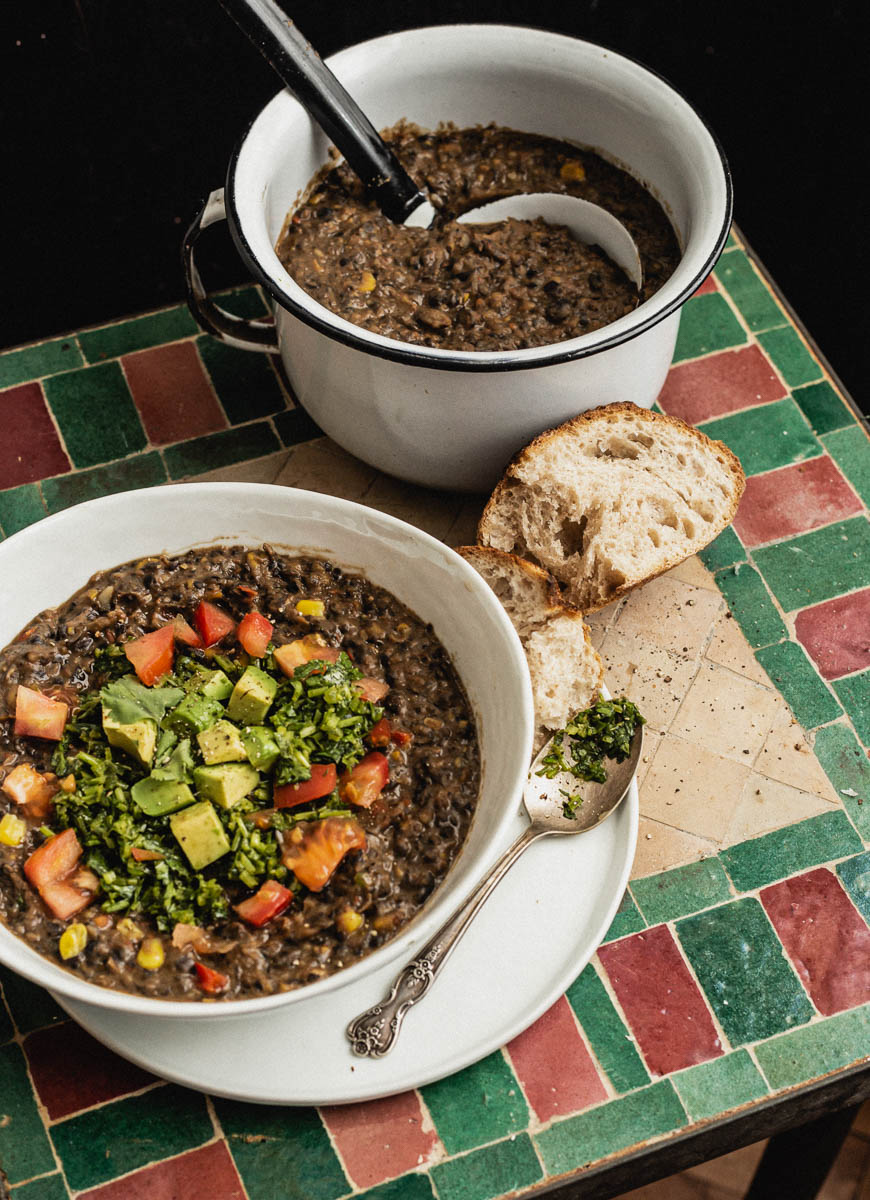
<point>504,286</point>
<point>302,920</point>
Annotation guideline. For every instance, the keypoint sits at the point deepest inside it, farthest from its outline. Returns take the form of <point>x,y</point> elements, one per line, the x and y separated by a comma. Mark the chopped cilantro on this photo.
<point>603,731</point>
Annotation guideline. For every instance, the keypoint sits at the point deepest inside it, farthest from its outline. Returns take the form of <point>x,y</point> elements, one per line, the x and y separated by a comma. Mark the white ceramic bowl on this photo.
<point>447,418</point>
<point>52,559</point>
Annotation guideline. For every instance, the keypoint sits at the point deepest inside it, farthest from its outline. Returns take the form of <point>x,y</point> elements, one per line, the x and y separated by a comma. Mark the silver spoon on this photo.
<point>374,1032</point>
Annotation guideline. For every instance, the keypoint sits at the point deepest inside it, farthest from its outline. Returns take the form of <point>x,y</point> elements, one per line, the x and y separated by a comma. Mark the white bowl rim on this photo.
<point>45,973</point>
<point>311,313</point>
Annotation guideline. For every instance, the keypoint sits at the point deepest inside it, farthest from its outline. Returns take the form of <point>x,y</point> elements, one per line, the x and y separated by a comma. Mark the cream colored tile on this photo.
<point>787,757</point>
<point>659,847</point>
<point>435,512</point>
<point>693,789</point>
<point>693,571</point>
<point>597,634</point>
<point>726,714</point>
<point>729,648</point>
<point>322,466</point>
<point>258,470</point>
<point>604,617</point>
<point>653,678</point>
<point>674,615</point>
<point>766,805</point>
<point>651,743</point>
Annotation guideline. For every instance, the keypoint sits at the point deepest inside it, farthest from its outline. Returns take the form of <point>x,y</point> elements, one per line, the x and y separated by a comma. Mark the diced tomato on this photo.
<point>39,716</point>
<point>401,737</point>
<point>321,783</point>
<point>268,902</point>
<point>211,981</point>
<point>372,689</point>
<point>145,855</point>
<point>313,852</point>
<point>294,654</point>
<point>64,899</point>
<point>27,787</point>
<point>212,622</point>
<point>54,859</point>
<point>186,635</point>
<point>191,935</point>
<point>152,654</point>
<point>366,781</point>
<point>381,733</point>
<point>254,633</point>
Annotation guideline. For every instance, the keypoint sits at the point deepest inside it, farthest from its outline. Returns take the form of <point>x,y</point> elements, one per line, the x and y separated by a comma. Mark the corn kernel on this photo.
<point>367,282</point>
<point>349,921</point>
<point>310,608</point>
<point>151,955</point>
<point>12,830</point>
<point>572,171</point>
<point>129,929</point>
<point>73,940</point>
<point>68,783</point>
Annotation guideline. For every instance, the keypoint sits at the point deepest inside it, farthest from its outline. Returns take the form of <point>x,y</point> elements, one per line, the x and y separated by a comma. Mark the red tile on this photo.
<point>553,1065</point>
<point>30,448</point>
<point>172,393</point>
<point>721,383</point>
<point>381,1139</point>
<point>836,634</point>
<point>709,285</point>
<point>71,1071</point>
<point>205,1174</point>
<point>824,936</point>
<point>661,1001</point>
<point>793,500</point>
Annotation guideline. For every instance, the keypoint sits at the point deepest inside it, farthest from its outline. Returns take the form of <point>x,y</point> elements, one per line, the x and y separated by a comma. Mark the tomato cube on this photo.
<point>213,623</point>
<point>211,981</point>
<point>381,733</point>
<point>186,635</point>
<point>37,715</point>
<point>270,901</point>
<point>314,851</point>
<point>152,654</point>
<point>254,634</point>
<point>64,899</point>
<point>372,690</point>
<point>54,859</point>
<point>322,781</point>
<point>366,781</point>
<point>27,787</point>
<point>295,654</point>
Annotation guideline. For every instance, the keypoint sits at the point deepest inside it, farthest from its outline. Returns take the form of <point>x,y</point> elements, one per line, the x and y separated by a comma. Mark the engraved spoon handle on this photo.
<point>373,1033</point>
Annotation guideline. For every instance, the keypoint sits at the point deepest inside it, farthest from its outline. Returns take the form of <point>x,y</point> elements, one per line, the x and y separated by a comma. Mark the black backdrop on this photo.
<point>120,115</point>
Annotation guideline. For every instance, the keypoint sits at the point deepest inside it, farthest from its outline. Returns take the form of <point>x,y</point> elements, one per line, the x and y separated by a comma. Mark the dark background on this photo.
<point>119,116</point>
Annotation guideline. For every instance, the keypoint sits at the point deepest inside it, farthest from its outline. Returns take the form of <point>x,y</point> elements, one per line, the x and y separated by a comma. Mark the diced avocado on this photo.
<point>138,739</point>
<point>195,713</point>
<point>158,796</point>
<point>222,743</point>
<point>200,835</point>
<point>252,697</point>
<point>261,746</point>
<point>225,783</point>
<point>214,685</point>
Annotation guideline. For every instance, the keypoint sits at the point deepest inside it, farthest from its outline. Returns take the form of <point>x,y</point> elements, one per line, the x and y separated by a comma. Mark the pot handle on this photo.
<point>241,332</point>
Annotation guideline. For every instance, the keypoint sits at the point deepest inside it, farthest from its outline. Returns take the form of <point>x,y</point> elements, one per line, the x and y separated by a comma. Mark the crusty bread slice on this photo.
<point>611,499</point>
<point>565,668</point>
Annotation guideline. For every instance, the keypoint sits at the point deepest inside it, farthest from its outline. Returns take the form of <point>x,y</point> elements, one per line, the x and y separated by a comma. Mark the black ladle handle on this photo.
<point>337,113</point>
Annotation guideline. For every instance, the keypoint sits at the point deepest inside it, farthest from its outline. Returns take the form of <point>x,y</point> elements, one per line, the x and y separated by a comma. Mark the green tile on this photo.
<point>20,366</point>
<point>751,605</point>
<point>245,382</point>
<point>790,356</point>
<point>722,551</point>
<point>281,1152</point>
<point>606,1033</point>
<point>716,1087</point>
<point>143,471</point>
<point>740,964</point>
<point>855,876</point>
<point>477,1105</point>
<point>850,449</point>
<point>406,1187</point>
<point>20,507</point>
<point>731,241</point>
<point>681,891</point>
<point>759,861</point>
<point>749,292</point>
<point>847,767</point>
<point>645,1114</point>
<point>627,920</point>
<point>854,693</point>
<point>295,426</point>
<point>220,449</point>
<point>243,302</point>
<point>707,324</point>
<point>493,1171</point>
<point>819,565</point>
<point>106,1142</point>
<point>822,407</point>
<point>49,1187</point>
<point>154,329</point>
<point>24,1147</point>
<point>96,414</point>
<point>31,1007</point>
<point>769,436</point>
<point>797,679</point>
<point>808,1053</point>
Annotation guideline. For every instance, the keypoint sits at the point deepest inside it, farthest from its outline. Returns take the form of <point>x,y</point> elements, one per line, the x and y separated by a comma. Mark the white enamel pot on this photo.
<point>445,418</point>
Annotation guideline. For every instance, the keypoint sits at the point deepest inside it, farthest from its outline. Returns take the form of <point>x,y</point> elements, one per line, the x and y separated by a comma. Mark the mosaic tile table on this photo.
<point>737,971</point>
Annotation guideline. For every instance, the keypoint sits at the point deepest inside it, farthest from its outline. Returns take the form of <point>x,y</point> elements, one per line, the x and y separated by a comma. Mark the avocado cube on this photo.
<point>195,713</point>
<point>261,747</point>
<point>200,835</point>
<point>159,796</point>
<point>138,739</point>
<point>252,696</point>
<point>225,783</point>
<point>221,743</point>
<point>214,685</point>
